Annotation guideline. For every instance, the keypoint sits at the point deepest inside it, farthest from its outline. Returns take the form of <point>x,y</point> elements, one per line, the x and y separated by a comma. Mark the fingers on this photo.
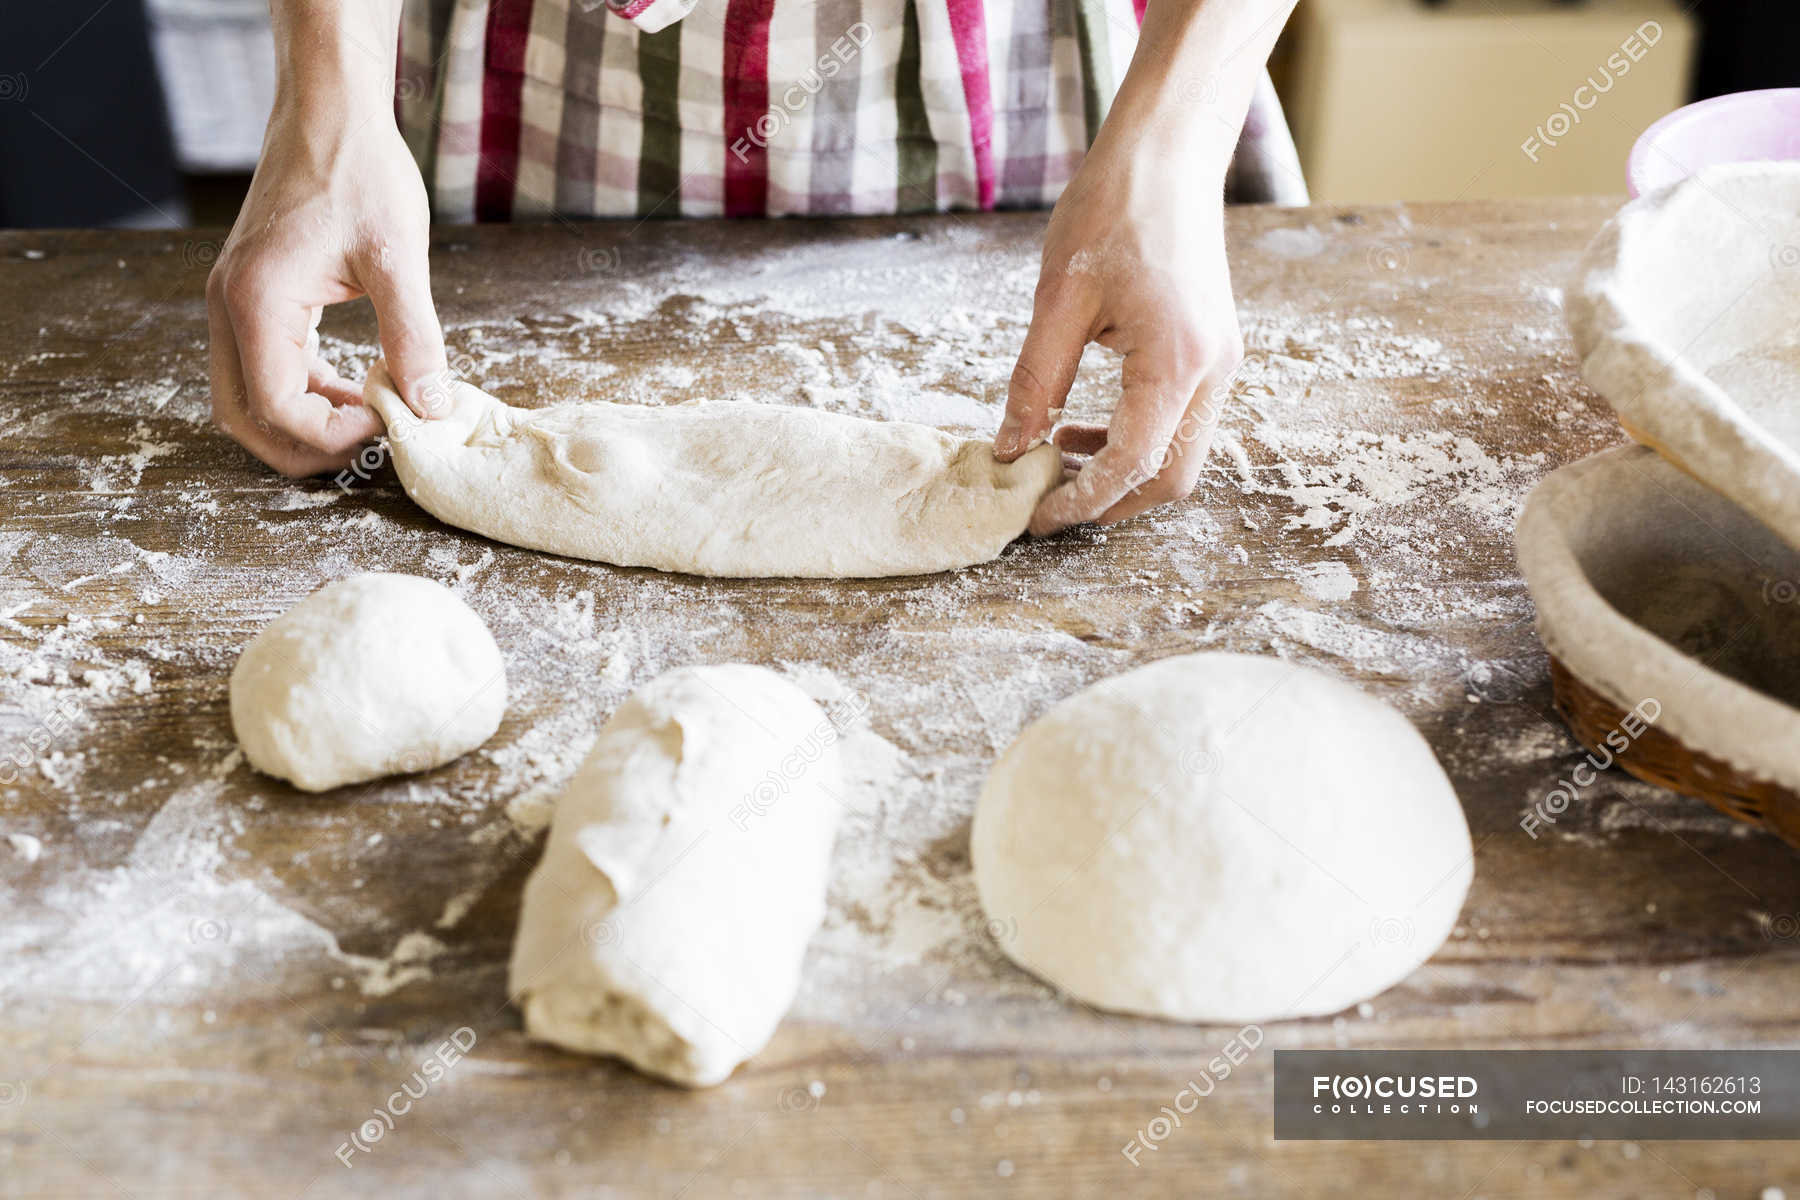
<point>296,435</point>
<point>1155,397</point>
<point>322,378</point>
<point>271,336</point>
<point>321,374</point>
<point>274,392</point>
<point>315,315</point>
<point>1184,458</point>
<point>1080,438</point>
<point>1061,323</point>
<point>412,341</point>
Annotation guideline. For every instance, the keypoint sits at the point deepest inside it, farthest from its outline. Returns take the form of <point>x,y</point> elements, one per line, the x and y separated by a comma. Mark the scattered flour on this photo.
<point>295,499</point>
<point>1359,477</point>
<point>165,925</point>
<point>169,926</point>
<point>1328,582</point>
<point>1289,242</point>
<point>1327,539</point>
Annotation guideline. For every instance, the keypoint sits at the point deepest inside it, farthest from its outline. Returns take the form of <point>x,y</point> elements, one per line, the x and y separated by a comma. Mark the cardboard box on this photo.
<point>1391,100</point>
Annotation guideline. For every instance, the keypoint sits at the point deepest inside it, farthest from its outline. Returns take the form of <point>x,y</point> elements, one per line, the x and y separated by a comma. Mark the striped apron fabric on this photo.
<point>518,109</point>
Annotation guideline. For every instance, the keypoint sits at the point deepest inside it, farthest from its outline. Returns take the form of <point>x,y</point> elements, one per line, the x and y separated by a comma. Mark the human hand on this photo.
<point>1134,259</point>
<point>336,211</point>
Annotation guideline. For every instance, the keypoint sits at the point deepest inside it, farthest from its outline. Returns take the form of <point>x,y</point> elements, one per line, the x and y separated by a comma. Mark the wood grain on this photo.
<point>132,534</point>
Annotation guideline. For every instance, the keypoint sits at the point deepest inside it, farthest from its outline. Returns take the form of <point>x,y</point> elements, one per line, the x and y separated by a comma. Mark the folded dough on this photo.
<point>723,488</point>
<point>1683,315</point>
<point>685,871</point>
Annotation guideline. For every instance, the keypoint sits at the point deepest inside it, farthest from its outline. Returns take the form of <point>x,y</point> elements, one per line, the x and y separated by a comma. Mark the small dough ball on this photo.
<point>1220,837</point>
<point>374,675</point>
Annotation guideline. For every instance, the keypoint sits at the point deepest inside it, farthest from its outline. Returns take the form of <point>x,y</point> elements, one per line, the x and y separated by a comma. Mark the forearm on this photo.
<point>1196,67</point>
<point>334,57</point>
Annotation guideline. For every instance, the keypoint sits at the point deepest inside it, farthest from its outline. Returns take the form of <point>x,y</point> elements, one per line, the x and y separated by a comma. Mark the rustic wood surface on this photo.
<point>166,1053</point>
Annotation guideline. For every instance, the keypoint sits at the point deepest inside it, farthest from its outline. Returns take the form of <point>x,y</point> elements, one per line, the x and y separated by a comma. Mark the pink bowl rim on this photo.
<point>1636,163</point>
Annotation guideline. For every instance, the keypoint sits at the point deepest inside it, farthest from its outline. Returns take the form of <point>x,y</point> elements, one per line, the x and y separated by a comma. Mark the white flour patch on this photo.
<point>168,926</point>
<point>161,925</point>
<point>1283,350</point>
<point>1309,242</point>
<point>947,410</point>
<point>296,499</point>
<point>1356,645</point>
<point>1354,481</point>
<point>1329,582</point>
<point>1346,485</point>
<point>121,472</point>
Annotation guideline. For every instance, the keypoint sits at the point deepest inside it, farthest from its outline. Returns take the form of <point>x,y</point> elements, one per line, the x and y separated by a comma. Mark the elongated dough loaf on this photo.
<point>722,488</point>
<point>685,871</point>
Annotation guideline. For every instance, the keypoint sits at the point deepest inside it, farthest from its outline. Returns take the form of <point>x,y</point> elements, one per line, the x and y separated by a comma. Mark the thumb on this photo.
<point>412,341</point>
<point>1046,368</point>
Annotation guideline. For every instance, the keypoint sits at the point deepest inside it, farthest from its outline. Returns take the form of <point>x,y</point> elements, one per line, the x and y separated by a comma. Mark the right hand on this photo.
<point>336,211</point>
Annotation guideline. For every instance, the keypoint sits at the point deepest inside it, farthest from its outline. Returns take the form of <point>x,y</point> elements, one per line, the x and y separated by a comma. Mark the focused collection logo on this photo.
<point>1395,1095</point>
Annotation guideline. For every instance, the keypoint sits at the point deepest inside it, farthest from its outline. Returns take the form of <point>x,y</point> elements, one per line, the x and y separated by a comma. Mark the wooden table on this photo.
<point>210,980</point>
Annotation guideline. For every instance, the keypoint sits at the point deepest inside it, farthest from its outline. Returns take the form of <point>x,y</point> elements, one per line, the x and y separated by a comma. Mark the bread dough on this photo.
<point>1220,837</point>
<point>1685,319</point>
<point>685,871</point>
<point>720,488</point>
<point>373,675</point>
<point>1649,585</point>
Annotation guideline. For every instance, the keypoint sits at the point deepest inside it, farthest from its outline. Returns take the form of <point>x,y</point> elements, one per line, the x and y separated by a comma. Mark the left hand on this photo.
<point>1134,259</point>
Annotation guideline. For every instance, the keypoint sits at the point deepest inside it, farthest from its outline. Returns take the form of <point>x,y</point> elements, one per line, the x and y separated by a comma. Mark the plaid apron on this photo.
<point>635,108</point>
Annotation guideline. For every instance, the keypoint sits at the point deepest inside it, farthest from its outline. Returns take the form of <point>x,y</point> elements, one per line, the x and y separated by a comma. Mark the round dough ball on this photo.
<point>1220,837</point>
<point>373,675</point>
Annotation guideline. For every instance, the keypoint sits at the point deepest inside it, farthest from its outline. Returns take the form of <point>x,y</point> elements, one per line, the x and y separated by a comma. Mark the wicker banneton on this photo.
<point>1656,756</point>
